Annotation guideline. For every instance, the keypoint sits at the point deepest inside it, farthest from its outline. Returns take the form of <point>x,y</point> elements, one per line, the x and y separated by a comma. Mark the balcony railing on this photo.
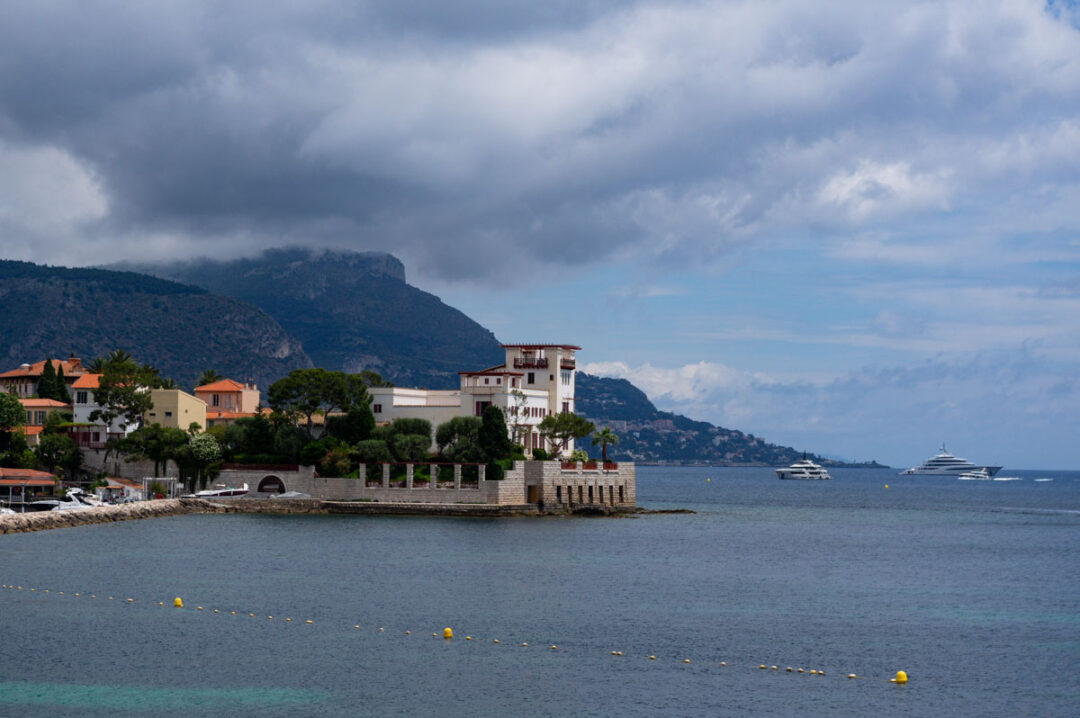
<point>528,363</point>
<point>568,364</point>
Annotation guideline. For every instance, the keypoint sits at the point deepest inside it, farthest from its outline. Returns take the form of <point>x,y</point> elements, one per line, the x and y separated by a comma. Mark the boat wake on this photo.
<point>1042,480</point>
<point>1007,478</point>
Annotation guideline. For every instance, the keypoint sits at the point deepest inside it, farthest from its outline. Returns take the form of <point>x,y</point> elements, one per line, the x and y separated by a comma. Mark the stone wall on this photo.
<point>41,520</point>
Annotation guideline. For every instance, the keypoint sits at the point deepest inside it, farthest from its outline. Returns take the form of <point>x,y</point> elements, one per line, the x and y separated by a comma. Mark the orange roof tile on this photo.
<point>87,381</point>
<point>23,474</point>
<point>221,385</point>
<point>229,414</point>
<point>32,430</point>
<point>72,367</point>
<point>43,404</point>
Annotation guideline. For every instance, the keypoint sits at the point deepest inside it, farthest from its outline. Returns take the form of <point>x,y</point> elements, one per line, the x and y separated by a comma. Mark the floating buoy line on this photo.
<point>447,634</point>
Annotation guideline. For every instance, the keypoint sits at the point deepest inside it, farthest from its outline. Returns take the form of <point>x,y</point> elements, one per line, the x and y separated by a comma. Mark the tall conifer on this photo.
<point>47,382</point>
<point>60,392</point>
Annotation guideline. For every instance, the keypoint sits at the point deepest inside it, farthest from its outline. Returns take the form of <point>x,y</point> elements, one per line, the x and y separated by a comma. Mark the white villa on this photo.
<point>534,381</point>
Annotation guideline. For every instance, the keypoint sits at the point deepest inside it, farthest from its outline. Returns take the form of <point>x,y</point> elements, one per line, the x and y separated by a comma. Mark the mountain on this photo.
<point>351,311</point>
<point>56,311</point>
<point>649,435</point>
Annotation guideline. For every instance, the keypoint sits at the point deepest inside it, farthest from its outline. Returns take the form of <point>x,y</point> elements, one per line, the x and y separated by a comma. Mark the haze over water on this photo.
<point>970,587</point>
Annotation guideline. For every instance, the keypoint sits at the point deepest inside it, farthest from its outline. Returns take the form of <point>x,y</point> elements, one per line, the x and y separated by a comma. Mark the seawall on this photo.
<point>44,520</point>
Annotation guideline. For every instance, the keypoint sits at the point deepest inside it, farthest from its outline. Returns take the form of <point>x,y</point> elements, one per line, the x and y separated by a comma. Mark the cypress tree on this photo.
<point>60,393</point>
<point>493,438</point>
<point>47,382</point>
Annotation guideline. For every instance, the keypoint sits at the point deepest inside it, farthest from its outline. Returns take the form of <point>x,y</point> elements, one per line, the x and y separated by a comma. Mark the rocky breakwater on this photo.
<point>40,521</point>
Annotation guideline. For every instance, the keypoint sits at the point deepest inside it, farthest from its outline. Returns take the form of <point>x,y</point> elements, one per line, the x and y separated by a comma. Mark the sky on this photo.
<point>847,227</point>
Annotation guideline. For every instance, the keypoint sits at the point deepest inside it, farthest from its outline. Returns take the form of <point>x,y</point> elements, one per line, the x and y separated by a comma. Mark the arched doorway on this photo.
<point>271,485</point>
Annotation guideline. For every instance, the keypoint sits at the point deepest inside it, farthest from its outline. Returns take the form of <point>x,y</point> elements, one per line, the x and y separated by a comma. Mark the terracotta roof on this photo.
<point>87,381</point>
<point>43,403</point>
<point>221,385</point>
<point>71,366</point>
<point>113,481</point>
<point>229,414</point>
<point>491,372</point>
<point>27,482</point>
<point>540,346</point>
<point>32,430</point>
<point>24,474</point>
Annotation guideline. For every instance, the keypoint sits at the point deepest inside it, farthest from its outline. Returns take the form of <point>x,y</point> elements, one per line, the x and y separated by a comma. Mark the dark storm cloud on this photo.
<point>469,136</point>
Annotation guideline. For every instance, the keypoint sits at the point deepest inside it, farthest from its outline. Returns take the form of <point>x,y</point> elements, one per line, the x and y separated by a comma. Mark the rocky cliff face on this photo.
<point>351,311</point>
<point>181,330</point>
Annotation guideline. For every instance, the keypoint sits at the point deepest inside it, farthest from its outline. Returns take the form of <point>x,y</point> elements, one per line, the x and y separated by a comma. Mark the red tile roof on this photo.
<point>32,430</point>
<point>221,385</point>
<point>43,404</point>
<point>87,381</point>
<point>72,367</point>
<point>24,474</point>
<point>229,414</point>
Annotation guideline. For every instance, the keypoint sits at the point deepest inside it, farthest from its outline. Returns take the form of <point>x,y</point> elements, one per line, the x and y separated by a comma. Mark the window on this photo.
<point>565,376</point>
<point>480,406</point>
<point>40,417</point>
<point>376,408</point>
<point>215,400</point>
<point>80,397</point>
<point>97,436</point>
<point>498,380</point>
<point>551,377</point>
<point>566,407</point>
<point>168,413</point>
<point>531,377</point>
<point>486,380</point>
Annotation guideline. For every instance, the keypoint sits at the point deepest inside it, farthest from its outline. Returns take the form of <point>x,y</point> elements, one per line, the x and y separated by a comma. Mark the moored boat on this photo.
<point>804,468</point>
<point>945,464</point>
<point>220,491</point>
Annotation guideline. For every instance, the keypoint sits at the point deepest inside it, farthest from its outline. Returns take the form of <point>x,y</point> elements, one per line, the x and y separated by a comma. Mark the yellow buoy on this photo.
<point>288,620</point>
<point>131,600</point>
<point>251,615</point>
<point>309,621</point>
<point>851,675</point>
<point>268,618</point>
<point>773,667</point>
<point>722,663</point>
<point>381,630</point>
<point>356,626</point>
<point>161,603</point>
<point>468,638</point>
<point>554,648</point>
<point>901,677</point>
<point>494,640</point>
<point>707,480</point>
<point>216,611</point>
<point>525,645</point>
<point>886,486</point>
<point>686,660</point>
<point>447,633</point>
<point>813,671</point>
<point>762,666</point>
<point>233,613</point>
<point>198,608</point>
<point>652,658</point>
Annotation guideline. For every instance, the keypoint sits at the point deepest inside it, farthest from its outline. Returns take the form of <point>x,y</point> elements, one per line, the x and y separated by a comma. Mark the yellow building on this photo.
<point>176,409</point>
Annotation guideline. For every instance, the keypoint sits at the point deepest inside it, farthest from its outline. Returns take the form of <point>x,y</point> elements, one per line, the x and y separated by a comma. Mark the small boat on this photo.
<point>979,474</point>
<point>804,468</point>
<point>76,500</point>
<point>218,492</point>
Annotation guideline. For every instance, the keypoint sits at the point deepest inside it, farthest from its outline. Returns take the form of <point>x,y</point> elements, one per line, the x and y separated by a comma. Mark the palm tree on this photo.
<point>168,384</point>
<point>209,376</point>
<point>604,437</point>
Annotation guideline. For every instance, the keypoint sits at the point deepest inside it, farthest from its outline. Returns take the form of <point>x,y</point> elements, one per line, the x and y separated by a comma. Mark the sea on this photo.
<point>972,588</point>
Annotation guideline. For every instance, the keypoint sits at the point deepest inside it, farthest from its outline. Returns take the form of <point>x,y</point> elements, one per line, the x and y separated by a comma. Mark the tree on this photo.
<point>411,447</point>
<point>12,414</point>
<point>203,452</point>
<point>58,452</point>
<point>459,439</point>
<point>155,442</point>
<point>306,392</point>
<point>47,381</point>
<point>371,378</point>
<point>604,437</point>
<point>518,419</point>
<point>372,451</point>
<point>493,439</point>
<point>124,392</point>
<point>208,376</point>
<point>167,384</point>
<point>352,426</point>
<point>559,429</point>
<point>61,393</point>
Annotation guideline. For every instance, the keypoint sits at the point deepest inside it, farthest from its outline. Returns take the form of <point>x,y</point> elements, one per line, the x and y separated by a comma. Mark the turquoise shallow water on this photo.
<point>973,588</point>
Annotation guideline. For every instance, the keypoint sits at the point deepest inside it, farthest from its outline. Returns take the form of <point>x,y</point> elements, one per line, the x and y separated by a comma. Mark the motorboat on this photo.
<point>945,464</point>
<point>218,492</point>
<point>979,474</point>
<point>76,500</point>
<point>804,468</point>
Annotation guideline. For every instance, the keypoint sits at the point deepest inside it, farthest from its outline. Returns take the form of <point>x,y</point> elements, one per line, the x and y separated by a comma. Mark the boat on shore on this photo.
<point>945,464</point>
<point>218,492</point>
<point>804,469</point>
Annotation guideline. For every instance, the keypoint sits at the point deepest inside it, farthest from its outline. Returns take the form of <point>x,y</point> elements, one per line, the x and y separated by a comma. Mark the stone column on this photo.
<point>457,477</point>
<point>482,471</point>
<point>408,475</point>
<point>386,476</point>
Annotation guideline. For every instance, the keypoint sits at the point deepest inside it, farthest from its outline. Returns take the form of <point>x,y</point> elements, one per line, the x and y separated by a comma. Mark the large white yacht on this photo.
<point>945,464</point>
<point>804,468</point>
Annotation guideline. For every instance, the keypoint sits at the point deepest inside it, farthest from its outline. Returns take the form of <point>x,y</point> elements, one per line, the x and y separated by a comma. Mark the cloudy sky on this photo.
<point>845,226</point>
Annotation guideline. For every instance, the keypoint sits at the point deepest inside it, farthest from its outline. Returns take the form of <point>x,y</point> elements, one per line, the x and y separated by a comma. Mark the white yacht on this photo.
<point>804,468</point>
<point>945,464</point>
<point>979,474</point>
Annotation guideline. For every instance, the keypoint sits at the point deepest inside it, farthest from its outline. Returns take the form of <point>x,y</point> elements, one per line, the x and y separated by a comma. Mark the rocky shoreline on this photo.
<point>45,520</point>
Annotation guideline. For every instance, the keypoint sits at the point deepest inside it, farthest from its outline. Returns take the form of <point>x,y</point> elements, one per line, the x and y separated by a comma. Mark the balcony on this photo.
<point>530,363</point>
<point>568,364</point>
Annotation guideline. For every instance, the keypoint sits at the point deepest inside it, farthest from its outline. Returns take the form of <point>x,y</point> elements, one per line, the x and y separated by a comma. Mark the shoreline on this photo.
<point>47,520</point>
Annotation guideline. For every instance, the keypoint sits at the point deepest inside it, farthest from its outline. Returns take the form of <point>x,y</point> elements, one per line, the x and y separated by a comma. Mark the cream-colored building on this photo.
<point>535,380</point>
<point>175,408</point>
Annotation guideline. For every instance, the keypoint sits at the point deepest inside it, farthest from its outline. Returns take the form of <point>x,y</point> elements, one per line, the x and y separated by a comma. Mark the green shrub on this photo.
<point>540,455</point>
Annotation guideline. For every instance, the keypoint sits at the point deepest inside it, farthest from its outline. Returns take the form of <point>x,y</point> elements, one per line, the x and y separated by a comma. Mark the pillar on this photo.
<point>408,475</point>
<point>386,476</point>
<point>457,477</point>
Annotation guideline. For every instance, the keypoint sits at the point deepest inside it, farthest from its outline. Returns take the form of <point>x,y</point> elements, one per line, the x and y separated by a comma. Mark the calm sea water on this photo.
<point>973,588</point>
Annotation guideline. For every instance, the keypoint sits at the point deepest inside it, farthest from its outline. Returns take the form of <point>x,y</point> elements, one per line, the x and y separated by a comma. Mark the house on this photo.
<point>176,409</point>
<point>87,432</point>
<point>228,400</point>
<point>23,381</point>
<point>19,485</point>
<point>37,413</point>
<point>536,380</point>
<point>117,489</point>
